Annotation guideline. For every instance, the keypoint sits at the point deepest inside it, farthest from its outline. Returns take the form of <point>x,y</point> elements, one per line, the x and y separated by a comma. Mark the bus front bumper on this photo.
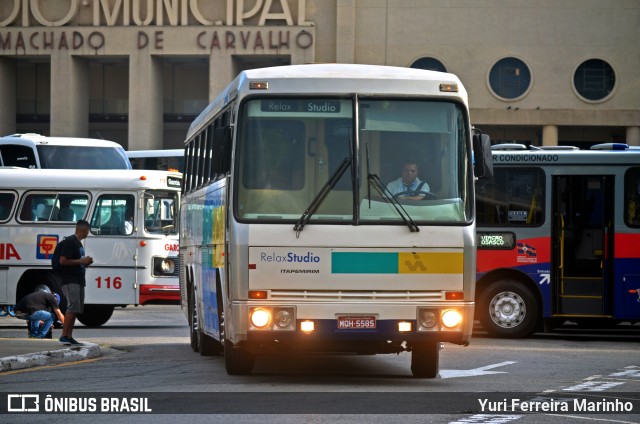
<point>392,328</point>
<point>159,294</point>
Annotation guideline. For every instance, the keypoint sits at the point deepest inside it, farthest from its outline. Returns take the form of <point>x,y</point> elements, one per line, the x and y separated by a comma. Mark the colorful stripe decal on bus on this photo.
<point>626,245</point>
<point>526,252</point>
<point>396,263</point>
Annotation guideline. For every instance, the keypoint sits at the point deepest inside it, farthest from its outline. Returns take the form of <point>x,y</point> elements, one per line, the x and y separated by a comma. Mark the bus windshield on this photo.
<point>82,157</point>
<point>160,211</point>
<point>290,148</point>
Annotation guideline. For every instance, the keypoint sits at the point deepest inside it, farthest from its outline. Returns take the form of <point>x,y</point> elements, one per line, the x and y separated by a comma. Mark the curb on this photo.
<point>50,357</point>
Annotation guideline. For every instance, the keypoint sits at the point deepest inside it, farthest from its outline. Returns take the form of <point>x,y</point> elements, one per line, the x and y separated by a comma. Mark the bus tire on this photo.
<point>425,360</point>
<point>194,333</point>
<point>508,309</point>
<point>95,315</point>
<point>237,360</point>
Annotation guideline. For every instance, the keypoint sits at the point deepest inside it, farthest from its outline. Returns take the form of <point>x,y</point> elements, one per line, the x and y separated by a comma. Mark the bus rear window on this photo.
<point>160,163</point>
<point>82,157</point>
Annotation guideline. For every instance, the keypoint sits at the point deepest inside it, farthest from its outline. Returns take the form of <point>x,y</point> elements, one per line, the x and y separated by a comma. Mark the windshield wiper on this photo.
<point>324,191</point>
<point>386,194</point>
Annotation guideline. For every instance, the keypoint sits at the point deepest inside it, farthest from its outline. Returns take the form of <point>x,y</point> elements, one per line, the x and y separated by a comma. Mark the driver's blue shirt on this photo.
<point>397,186</point>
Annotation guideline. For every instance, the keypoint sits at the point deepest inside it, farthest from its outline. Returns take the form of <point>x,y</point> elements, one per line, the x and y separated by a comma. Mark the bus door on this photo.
<point>582,245</point>
<point>113,244</point>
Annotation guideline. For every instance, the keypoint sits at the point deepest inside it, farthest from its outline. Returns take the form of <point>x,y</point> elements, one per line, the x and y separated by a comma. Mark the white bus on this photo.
<point>134,264</point>
<point>290,240</point>
<point>37,151</point>
<point>162,160</point>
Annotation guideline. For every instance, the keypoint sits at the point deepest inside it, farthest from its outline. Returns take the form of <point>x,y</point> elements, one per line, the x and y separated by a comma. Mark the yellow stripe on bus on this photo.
<point>430,263</point>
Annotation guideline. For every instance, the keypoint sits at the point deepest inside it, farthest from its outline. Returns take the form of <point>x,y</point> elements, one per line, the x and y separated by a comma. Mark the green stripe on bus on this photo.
<point>364,262</point>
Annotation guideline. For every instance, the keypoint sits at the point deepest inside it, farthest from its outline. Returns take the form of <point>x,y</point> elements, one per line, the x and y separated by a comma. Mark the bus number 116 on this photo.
<point>117,282</point>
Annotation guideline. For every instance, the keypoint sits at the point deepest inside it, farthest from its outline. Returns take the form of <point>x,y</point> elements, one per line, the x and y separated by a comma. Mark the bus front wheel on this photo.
<point>508,309</point>
<point>237,360</point>
<point>425,359</point>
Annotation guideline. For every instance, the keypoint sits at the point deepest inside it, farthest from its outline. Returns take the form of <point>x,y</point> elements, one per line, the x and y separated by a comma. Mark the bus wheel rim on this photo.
<point>507,309</point>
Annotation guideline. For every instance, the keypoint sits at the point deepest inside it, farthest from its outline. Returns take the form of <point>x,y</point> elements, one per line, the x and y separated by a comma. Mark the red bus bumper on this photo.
<point>158,294</point>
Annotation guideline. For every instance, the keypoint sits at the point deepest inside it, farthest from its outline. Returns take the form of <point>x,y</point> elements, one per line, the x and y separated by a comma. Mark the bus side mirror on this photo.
<point>483,160</point>
<point>222,141</point>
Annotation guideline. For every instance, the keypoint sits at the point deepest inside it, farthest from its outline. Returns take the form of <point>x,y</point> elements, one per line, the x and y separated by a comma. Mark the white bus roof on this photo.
<point>32,138</point>
<point>82,179</point>
<point>335,79</point>
<point>155,153</point>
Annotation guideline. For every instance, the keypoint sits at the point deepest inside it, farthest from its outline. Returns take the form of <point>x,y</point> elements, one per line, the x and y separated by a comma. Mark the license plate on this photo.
<point>356,323</point>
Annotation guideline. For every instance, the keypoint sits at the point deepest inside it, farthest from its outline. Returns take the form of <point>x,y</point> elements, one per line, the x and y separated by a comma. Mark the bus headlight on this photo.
<point>164,266</point>
<point>428,318</point>
<point>451,318</point>
<point>283,319</point>
<point>260,317</point>
<point>269,318</point>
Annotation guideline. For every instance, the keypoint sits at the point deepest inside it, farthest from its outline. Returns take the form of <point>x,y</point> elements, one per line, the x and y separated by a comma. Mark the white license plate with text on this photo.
<point>356,322</point>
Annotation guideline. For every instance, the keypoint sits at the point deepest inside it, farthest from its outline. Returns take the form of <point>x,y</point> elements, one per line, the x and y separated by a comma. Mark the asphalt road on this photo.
<point>146,353</point>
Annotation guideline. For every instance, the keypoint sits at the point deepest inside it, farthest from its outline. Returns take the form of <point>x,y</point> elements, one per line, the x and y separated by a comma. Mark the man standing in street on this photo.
<point>73,263</point>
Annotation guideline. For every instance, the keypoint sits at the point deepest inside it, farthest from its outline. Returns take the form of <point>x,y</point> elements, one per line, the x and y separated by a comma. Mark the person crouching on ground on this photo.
<point>40,309</point>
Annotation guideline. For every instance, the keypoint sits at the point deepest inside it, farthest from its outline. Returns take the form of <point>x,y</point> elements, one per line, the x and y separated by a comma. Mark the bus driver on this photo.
<point>409,186</point>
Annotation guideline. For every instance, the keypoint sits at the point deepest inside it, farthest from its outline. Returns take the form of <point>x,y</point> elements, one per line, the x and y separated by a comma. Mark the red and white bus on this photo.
<point>133,237</point>
<point>558,236</point>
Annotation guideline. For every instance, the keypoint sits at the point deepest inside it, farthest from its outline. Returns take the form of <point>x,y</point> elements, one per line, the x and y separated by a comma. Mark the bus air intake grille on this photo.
<point>351,295</point>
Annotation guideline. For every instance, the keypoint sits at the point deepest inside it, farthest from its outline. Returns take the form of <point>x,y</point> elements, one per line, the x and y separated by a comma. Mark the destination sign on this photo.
<point>174,182</point>
<point>496,241</point>
<point>306,106</point>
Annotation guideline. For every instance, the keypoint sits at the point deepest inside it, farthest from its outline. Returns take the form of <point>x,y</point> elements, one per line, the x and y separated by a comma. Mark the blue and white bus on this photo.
<point>291,241</point>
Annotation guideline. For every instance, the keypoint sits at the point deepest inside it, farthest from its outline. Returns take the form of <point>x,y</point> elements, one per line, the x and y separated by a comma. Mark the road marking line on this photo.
<point>475,371</point>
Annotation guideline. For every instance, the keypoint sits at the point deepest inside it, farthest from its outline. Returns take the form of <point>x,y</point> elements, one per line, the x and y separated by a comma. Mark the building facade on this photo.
<point>138,71</point>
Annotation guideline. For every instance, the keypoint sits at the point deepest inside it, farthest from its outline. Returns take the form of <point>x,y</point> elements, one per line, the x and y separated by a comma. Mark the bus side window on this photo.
<point>6,205</point>
<point>513,197</point>
<point>632,197</point>
<point>38,207</point>
<point>109,216</point>
<point>72,207</point>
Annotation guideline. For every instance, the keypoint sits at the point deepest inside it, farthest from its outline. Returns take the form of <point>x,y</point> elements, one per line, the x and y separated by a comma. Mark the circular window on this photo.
<point>429,64</point>
<point>594,79</point>
<point>510,78</point>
